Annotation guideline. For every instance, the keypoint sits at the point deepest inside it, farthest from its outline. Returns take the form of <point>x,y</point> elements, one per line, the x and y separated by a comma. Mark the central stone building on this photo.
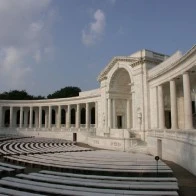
<point>124,94</point>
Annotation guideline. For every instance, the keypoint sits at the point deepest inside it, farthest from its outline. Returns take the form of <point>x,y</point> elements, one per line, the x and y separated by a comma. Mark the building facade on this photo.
<point>146,96</point>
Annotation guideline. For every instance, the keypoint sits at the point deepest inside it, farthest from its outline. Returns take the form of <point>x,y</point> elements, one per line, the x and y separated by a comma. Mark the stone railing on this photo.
<point>180,135</point>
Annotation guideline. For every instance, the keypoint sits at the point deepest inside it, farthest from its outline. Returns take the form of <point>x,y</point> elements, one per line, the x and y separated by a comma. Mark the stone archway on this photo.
<point>120,100</point>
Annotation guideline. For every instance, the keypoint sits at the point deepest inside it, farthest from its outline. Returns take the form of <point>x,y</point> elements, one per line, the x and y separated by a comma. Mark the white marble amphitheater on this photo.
<point>145,100</point>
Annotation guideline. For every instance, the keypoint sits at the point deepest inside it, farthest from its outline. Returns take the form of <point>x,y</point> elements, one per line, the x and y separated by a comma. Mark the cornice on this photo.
<point>171,66</point>
<point>47,102</point>
<point>116,59</point>
<point>134,61</point>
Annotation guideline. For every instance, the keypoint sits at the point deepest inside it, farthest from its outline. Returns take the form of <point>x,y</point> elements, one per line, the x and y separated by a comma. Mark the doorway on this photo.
<point>119,122</point>
<point>168,119</point>
<point>75,137</point>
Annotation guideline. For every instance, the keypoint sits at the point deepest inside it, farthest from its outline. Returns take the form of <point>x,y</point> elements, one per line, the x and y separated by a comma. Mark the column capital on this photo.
<point>185,72</point>
<point>172,80</point>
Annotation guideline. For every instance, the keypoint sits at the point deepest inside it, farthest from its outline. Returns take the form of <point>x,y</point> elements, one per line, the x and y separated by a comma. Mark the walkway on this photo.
<point>186,180</point>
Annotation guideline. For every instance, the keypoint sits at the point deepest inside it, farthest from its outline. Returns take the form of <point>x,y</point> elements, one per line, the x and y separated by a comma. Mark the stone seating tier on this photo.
<point>58,186</point>
<point>85,171</point>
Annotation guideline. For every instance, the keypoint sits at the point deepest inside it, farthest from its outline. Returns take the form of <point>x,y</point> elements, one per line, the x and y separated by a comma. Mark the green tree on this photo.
<point>69,91</point>
<point>18,95</point>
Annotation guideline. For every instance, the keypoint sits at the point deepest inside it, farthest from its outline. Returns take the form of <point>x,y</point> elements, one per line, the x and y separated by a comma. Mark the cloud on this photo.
<point>12,67</point>
<point>95,30</point>
<point>25,33</point>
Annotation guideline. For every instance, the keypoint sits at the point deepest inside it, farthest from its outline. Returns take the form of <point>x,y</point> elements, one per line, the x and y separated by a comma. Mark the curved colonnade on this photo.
<point>58,113</point>
<point>172,92</point>
<point>172,87</point>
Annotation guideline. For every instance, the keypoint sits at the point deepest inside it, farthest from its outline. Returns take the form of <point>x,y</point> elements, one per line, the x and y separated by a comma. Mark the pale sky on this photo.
<point>46,45</point>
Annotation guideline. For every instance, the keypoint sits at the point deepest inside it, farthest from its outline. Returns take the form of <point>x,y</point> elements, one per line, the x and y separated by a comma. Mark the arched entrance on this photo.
<point>119,101</point>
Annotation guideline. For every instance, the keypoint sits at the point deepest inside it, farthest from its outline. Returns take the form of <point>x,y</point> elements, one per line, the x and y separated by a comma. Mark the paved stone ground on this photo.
<point>186,180</point>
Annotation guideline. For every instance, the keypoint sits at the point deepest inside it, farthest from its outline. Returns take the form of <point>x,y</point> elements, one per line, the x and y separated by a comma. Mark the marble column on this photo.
<point>87,115</point>
<point>128,114</point>
<point>173,104</point>
<point>68,115</point>
<point>114,113</point>
<point>11,116</point>
<point>154,108</point>
<point>1,115</point>
<point>40,117</point>
<point>78,116</point>
<point>161,108</point>
<point>21,117</point>
<point>49,116</point>
<point>188,121</point>
<point>31,117</point>
<point>109,113</point>
<point>59,117</point>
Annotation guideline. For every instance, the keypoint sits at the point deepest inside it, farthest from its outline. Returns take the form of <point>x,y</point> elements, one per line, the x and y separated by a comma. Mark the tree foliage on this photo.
<point>69,91</point>
<point>18,95</point>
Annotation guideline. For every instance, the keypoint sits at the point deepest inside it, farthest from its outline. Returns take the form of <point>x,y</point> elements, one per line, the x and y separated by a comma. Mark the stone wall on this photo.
<point>176,146</point>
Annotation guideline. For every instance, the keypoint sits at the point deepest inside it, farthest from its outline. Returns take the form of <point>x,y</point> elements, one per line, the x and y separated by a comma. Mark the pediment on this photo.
<point>113,62</point>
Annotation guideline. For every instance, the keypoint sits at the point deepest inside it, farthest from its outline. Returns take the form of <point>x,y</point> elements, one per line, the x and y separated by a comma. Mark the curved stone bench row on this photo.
<point>38,145</point>
<point>11,137</point>
<point>67,162</point>
<point>55,183</point>
<point>106,157</point>
<point>6,168</point>
<point>52,158</point>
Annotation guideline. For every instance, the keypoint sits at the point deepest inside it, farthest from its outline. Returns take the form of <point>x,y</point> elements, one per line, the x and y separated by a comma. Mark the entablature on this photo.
<point>171,63</point>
